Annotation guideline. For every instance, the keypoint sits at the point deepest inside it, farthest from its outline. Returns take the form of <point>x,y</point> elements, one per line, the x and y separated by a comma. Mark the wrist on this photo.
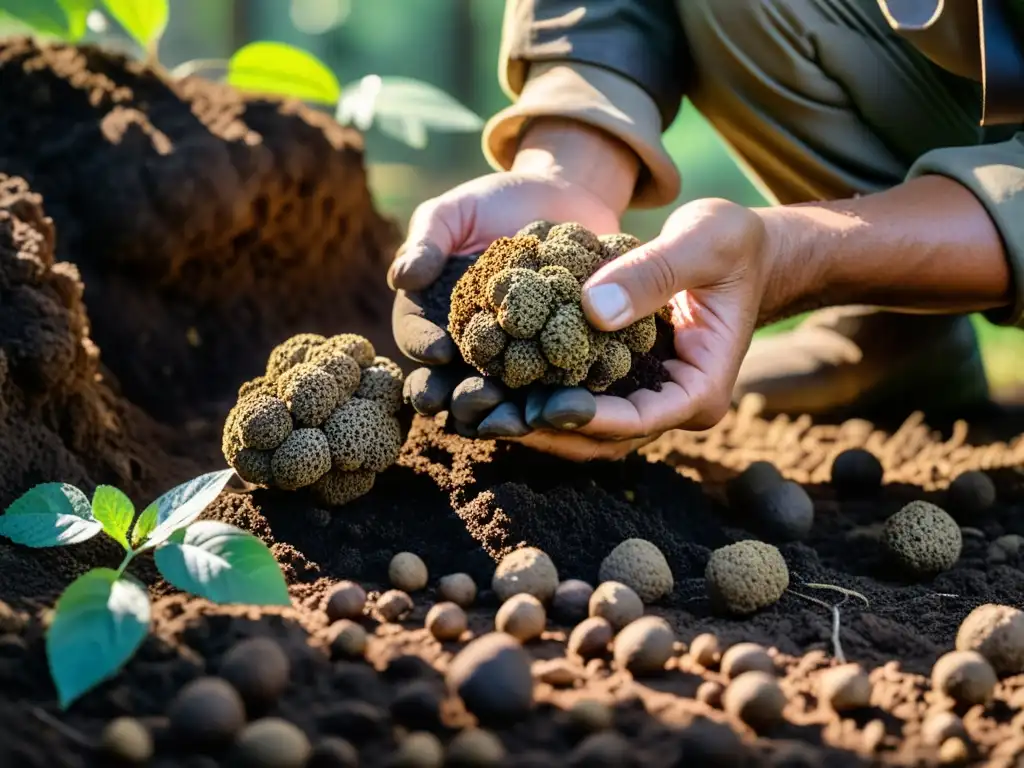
<point>582,156</point>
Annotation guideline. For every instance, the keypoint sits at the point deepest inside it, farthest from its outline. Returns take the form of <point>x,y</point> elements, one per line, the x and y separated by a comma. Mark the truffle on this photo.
<point>746,576</point>
<point>751,483</point>
<point>259,670</point>
<point>572,600</point>
<point>516,312</point>
<point>922,539</point>
<point>970,494</point>
<point>856,472</point>
<point>321,418</point>
<point>997,633</point>
<point>641,566</point>
<point>206,713</point>
<point>528,570</point>
<point>783,511</point>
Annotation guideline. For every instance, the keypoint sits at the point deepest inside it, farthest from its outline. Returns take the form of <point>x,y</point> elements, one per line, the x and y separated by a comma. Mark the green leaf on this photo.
<point>76,13</point>
<point>115,511</point>
<point>44,17</point>
<point>223,564</point>
<point>99,622</point>
<point>144,20</point>
<point>404,108</point>
<point>283,70</point>
<point>50,515</point>
<point>178,507</point>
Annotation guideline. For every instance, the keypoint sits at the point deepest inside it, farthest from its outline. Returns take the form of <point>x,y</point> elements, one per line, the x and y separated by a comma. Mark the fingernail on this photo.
<point>610,303</point>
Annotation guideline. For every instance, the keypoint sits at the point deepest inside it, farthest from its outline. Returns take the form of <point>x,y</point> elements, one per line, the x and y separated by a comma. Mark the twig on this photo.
<point>836,644</point>
<point>66,730</point>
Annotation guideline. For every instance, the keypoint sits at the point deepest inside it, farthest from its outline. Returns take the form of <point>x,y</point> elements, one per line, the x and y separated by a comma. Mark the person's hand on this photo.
<point>711,263</point>
<point>552,179</point>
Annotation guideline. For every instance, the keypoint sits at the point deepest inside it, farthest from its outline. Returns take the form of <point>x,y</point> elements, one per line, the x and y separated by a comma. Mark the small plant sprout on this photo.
<point>403,108</point>
<point>103,616</point>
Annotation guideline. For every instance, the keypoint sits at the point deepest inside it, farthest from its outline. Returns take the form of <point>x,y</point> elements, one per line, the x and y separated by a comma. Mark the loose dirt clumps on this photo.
<point>516,312</point>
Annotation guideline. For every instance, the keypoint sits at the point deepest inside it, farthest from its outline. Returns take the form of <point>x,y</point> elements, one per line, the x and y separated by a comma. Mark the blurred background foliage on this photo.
<point>452,44</point>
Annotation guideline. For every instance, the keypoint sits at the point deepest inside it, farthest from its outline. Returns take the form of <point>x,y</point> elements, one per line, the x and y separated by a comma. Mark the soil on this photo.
<point>459,504</point>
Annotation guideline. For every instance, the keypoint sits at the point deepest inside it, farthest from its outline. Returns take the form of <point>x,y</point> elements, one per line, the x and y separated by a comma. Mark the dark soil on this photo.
<point>182,233</point>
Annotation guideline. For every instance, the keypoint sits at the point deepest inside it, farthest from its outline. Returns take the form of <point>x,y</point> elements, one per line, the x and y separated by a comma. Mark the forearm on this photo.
<point>583,156</point>
<point>927,245</point>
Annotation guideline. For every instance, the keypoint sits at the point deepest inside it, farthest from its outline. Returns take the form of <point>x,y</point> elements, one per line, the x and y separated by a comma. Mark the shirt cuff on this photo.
<point>995,174</point>
<point>599,98</point>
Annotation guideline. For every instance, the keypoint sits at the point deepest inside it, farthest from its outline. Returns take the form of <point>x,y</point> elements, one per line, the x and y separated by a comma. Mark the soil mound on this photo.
<point>207,226</point>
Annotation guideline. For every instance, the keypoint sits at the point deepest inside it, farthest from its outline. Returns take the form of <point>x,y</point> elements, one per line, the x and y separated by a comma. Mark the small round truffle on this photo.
<point>641,566</point>
<point>394,605</point>
<point>521,616</point>
<point>644,646</point>
<point>524,363</point>
<point>254,466</point>
<point>484,339</point>
<point>1005,548</point>
<point>572,600</point>
<point>492,677</point>
<point>704,650</point>
<point>347,639</point>
<point>940,726</point>
<point>361,434</point>
<point>264,422</point>
<point>258,669</point>
<point>206,713</point>
<point>617,244</point>
<point>746,576</point>
<point>382,382</point>
<point>640,336</point>
<point>301,460</point>
<point>590,637</point>
<point>291,352</point>
<point>752,482</point>
<point>270,743</point>
<point>446,621</point>
<point>970,494</point>
<point>458,588</point>
<point>337,487</point>
<point>746,657</point>
<point>126,741</point>
<point>965,676</point>
<point>784,511</point>
<point>528,570</point>
<point>844,688</point>
<point>346,601</point>
<point>922,539</point>
<point>612,364</point>
<point>617,603</point>
<point>756,699</point>
<point>997,633</point>
<point>407,572</point>
<point>856,472</point>
<point>475,748</point>
<point>342,367</point>
<point>310,393</point>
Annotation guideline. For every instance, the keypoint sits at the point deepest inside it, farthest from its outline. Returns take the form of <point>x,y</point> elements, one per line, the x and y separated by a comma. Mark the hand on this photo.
<point>553,179</point>
<point>711,263</point>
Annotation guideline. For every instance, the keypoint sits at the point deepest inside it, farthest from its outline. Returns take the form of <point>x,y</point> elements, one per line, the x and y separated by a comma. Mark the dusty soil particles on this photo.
<point>238,218</point>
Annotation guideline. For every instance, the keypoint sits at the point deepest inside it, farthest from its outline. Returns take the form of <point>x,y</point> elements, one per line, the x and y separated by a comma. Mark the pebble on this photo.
<point>270,743</point>
<point>492,677</point>
<point>259,670</point>
<point>521,616</point>
<point>590,637</point>
<point>347,639</point>
<point>1005,548</point>
<point>844,688</point>
<point>559,672</point>
<point>446,621</point>
<point>590,716</point>
<point>458,588</point>
<point>746,657</point>
<point>644,646</point>
<point>572,600</point>
<point>569,408</point>
<point>970,494</point>
<point>417,706</point>
<point>475,397</point>
<point>757,478</point>
<point>333,752</point>
<point>407,572</point>
<point>419,749</point>
<point>605,749</point>
<point>755,698</point>
<point>525,570</point>
<point>207,712</point>
<point>617,603</point>
<point>429,390</point>
<point>710,692</point>
<point>127,741</point>
<point>705,650</point>
<point>536,398</point>
<point>965,676</point>
<point>997,633</point>
<point>857,472</point>
<point>503,421</point>
<point>394,605</point>
<point>462,429</point>
<point>346,601</point>
<point>940,726</point>
<point>784,512</point>
<point>475,748</point>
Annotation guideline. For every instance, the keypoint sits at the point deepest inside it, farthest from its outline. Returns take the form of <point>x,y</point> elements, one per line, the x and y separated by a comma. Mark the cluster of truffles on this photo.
<point>516,313</point>
<point>322,417</point>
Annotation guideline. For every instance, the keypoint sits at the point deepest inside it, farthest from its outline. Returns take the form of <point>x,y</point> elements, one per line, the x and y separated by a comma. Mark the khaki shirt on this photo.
<point>621,65</point>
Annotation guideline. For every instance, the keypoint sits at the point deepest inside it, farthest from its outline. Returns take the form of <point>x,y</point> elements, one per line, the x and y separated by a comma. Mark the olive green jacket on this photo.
<point>622,65</point>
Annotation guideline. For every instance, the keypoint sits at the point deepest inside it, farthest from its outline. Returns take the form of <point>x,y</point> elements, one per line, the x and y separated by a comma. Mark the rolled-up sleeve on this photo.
<point>618,65</point>
<point>995,174</point>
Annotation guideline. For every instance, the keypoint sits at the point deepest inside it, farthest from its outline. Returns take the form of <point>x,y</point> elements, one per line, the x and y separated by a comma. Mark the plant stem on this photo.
<point>195,66</point>
<point>124,563</point>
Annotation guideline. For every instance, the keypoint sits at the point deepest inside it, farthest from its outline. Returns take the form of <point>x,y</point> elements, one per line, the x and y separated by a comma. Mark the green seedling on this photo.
<point>104,615</point>
<point>402,108</point>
